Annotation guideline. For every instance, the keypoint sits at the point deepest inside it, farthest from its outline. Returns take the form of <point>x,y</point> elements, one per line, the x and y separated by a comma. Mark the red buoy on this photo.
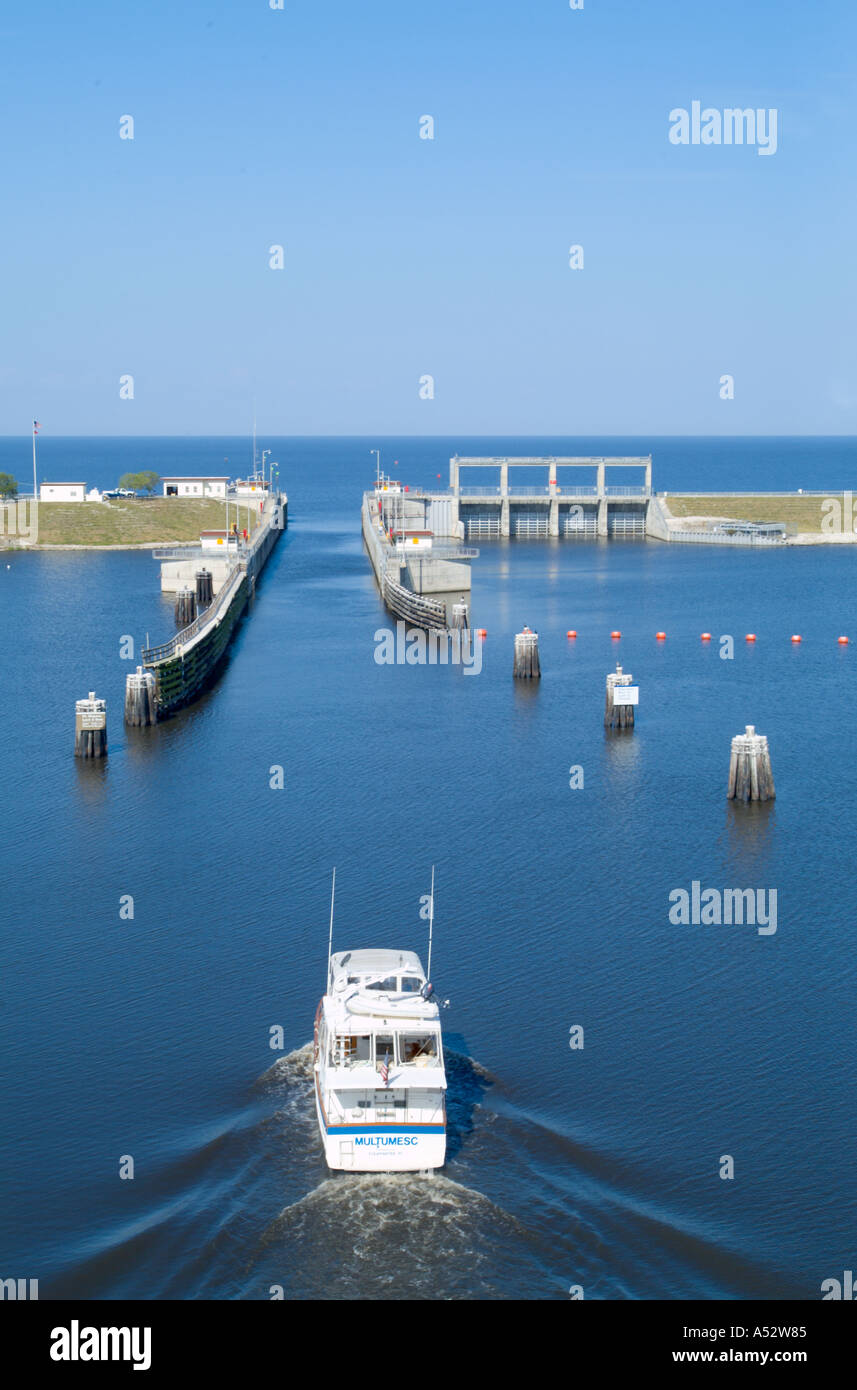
<point>843,641</point>
<point>797,637</point>
<point>751,636</point>
<point>705,636</point>
<point>571,632</point>
<point>615,635</point>
<point>661,636</point>
<point>481,632</point>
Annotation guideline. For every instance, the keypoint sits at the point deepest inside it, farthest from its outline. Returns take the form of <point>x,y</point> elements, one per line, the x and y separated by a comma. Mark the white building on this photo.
<point>195,487</point>
<point>210,540</point>
<point>62,492</point>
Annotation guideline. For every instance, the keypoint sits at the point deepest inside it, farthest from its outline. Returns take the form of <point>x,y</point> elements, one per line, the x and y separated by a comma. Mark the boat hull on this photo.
<point>380,1148</point>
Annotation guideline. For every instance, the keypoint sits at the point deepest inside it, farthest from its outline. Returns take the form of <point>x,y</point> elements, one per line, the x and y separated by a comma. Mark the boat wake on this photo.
<point>373,1235</point>
<point>388,1235</point>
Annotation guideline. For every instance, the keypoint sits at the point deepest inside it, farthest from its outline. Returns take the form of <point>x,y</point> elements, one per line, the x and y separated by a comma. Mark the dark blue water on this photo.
<point>149,1037</point>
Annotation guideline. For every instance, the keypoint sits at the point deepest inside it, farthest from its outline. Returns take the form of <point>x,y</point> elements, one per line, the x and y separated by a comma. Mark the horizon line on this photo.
<point>603,434</point>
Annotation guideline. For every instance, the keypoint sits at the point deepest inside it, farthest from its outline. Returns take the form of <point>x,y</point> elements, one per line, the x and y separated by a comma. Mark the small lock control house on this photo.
<point>195,487</point>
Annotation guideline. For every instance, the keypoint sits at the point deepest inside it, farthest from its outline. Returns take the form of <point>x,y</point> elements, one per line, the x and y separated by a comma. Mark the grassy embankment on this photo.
<point>799,513</point>
<point>142,521</point>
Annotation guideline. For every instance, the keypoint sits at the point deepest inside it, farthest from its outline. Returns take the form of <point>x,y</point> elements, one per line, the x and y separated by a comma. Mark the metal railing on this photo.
<point>756,492</point>
<point>721,538</point>
<point>439,552</point>
<point>561,490</point>
<point>150,655</point>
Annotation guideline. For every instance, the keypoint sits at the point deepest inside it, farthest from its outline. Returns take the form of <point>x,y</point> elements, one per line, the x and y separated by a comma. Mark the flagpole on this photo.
<point>330,935</point>
<point>431,922</point>
<point>35,488</point>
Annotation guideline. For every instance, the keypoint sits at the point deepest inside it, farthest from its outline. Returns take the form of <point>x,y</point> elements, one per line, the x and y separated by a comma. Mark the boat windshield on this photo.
<point>416,1048</point>
<point>393,984</point>
<point>411,1049</point>
<point>353,1050</point>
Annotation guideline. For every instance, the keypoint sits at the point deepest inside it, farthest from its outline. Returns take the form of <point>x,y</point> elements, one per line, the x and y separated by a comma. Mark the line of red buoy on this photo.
<point>703,636</point>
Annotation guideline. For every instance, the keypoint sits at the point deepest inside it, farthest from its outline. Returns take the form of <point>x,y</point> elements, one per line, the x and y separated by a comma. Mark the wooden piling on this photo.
<point>204,588</point>
<point>618,710</point>
<point>527,665</point>
<point>90,727</point>
<point>140,698</point>
<point>185,606</point>
<point>750,775</point>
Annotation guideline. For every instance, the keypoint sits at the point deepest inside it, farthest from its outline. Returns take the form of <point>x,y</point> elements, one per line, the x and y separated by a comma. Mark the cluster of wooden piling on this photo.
<point>90,727</point>
<point>750,775</point>
<point>460,617</point>
<point>204,588</point>
<point>185,606</point>
<point>618,707</point>
<point>140,699</point>
<point>526,665</point>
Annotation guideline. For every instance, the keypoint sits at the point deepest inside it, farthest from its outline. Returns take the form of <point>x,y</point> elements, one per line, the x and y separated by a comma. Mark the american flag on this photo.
<point>385,1071</point>
<point>35,427</point>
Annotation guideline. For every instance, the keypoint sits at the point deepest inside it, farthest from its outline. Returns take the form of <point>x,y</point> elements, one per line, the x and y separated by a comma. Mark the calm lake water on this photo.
<point>150,1037</point>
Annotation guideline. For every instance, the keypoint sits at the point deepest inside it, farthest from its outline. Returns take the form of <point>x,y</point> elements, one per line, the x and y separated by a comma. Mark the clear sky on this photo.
<point>406,257</point>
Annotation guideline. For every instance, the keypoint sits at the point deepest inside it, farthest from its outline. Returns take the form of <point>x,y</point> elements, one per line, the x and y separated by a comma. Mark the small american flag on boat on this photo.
<point>385,1071</point>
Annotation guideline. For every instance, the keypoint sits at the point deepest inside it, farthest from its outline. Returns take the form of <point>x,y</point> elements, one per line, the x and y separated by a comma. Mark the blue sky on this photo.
<point>406,257</point>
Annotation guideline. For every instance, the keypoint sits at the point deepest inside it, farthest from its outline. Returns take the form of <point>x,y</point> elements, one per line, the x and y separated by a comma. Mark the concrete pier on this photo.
<point>419,562</point>
<point>187,664</point>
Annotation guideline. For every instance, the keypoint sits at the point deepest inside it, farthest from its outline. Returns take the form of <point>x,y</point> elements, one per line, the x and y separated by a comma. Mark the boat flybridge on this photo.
<point>379,1076</point>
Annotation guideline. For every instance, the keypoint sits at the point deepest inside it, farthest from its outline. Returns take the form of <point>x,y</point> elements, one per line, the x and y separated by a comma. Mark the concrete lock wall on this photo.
<point>176,574</point>
<point>435,576</point>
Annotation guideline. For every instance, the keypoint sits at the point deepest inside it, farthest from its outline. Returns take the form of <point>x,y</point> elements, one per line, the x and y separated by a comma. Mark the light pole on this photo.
<point>265,454</point>
<point>377,453</point>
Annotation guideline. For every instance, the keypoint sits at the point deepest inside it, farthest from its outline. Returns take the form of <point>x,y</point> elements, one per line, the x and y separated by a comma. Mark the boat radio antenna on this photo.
<point>431,920</point>
<point>330,933</point>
